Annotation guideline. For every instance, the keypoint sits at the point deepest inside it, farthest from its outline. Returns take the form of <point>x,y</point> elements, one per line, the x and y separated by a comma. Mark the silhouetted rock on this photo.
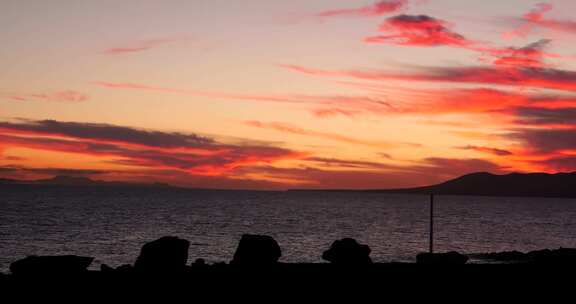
<point>449,258</point>
<point>124,268</point>
<point>557,256</point>
<point>199,262</point>
<point>167,254</point>
<point>506,256</point>
<point>106,268</point>
<point>257,250</point>
<point>347,251</point>
<point>58,265</point>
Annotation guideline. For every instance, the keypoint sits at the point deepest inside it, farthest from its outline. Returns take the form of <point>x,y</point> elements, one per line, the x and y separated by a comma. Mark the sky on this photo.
<point>260,94</point>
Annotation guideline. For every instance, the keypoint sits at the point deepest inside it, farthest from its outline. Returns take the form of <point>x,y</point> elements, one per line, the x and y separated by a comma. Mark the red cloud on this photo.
<point>522,77</point>
<point>58,96</point>
<point>531,55</point>
<point>426,31</point>
<point>332,112</point>
<point>418,30</point>
<point>141,148</point>
<point>232,166</point>
<point>559,164</point>
<point>497,102</point>
<point>377,9</point>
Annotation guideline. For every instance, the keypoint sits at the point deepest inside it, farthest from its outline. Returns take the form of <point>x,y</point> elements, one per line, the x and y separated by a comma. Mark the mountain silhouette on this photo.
<point>62,180</point>
<point>514,184</point>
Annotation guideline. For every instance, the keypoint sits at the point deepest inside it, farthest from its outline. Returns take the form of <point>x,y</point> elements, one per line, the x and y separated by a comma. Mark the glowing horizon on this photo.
<point>306,94</point>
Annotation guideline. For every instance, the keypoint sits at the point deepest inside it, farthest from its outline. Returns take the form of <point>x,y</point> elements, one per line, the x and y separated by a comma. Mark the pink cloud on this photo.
<point>321,106</point>
<point>374,10</point>
<point>140,46</point>
<point>530,20</point>
<point>58,96</point>
<point>549,78</point>
<point>418,30</point>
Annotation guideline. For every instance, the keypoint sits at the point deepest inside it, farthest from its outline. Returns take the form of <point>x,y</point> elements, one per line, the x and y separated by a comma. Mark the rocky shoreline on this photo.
<point>162,269</point>
<point>169,255</point>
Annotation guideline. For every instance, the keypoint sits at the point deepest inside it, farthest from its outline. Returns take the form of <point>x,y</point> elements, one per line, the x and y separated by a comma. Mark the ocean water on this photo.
<point>112,224</point>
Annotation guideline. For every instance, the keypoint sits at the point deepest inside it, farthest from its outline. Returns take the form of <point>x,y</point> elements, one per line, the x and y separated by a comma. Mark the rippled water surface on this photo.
<point>112,224</point>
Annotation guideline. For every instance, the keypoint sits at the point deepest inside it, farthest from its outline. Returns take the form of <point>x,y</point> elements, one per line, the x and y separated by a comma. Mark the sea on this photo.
<point>112,223</point>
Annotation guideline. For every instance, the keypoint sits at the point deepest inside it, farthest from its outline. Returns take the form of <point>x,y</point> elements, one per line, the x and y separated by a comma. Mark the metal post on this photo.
<point>431,223</point>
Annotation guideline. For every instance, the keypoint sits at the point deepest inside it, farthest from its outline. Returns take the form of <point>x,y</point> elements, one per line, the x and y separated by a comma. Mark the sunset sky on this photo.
<point>263,94</point>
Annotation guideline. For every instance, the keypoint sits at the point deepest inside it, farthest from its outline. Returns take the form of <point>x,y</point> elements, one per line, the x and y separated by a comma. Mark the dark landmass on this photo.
<point>255,268</point>
<point>560,185</point>
<point>79,181</point>
<point>486,184</point>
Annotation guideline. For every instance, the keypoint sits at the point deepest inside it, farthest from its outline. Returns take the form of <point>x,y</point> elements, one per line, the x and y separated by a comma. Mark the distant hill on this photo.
<point>514,184</point>
<point>487,184</point>
<point>78,181</point>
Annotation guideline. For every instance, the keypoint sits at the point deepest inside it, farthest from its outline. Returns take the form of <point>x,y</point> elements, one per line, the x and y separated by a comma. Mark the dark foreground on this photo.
<point>162,270</point>
<point>302,283</point>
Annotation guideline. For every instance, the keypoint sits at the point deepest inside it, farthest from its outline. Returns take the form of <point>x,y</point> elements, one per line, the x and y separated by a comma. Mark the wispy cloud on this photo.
<point>545,116</point>
<point>379,8</point>
<point>21,170</point>
<point>351,174</point>
<point>140,148</point>
<point>320,106</point>
<point>549,78</point>
<point>142,45</point>
<point>494,151</point>
<point>292,129</point>
<point>530,20</point>
<point>57,96</point>
<point>194,160</point>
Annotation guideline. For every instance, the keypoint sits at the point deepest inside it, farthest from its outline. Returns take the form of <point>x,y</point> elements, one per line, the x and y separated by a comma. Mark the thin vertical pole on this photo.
<point>431,223</point>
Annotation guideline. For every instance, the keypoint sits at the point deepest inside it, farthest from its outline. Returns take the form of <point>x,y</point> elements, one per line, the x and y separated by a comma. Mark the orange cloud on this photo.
<point>349,174</point>
<point>288,128</point>
<point>494,151</point>
<point>140,148</point>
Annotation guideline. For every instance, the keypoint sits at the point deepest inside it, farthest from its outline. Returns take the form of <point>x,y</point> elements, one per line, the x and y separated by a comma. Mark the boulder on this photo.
<point>449,258</point>
<point>257,250</point>
<point>348,251</point>
<point>167,254</point>
<point>55,265</point>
